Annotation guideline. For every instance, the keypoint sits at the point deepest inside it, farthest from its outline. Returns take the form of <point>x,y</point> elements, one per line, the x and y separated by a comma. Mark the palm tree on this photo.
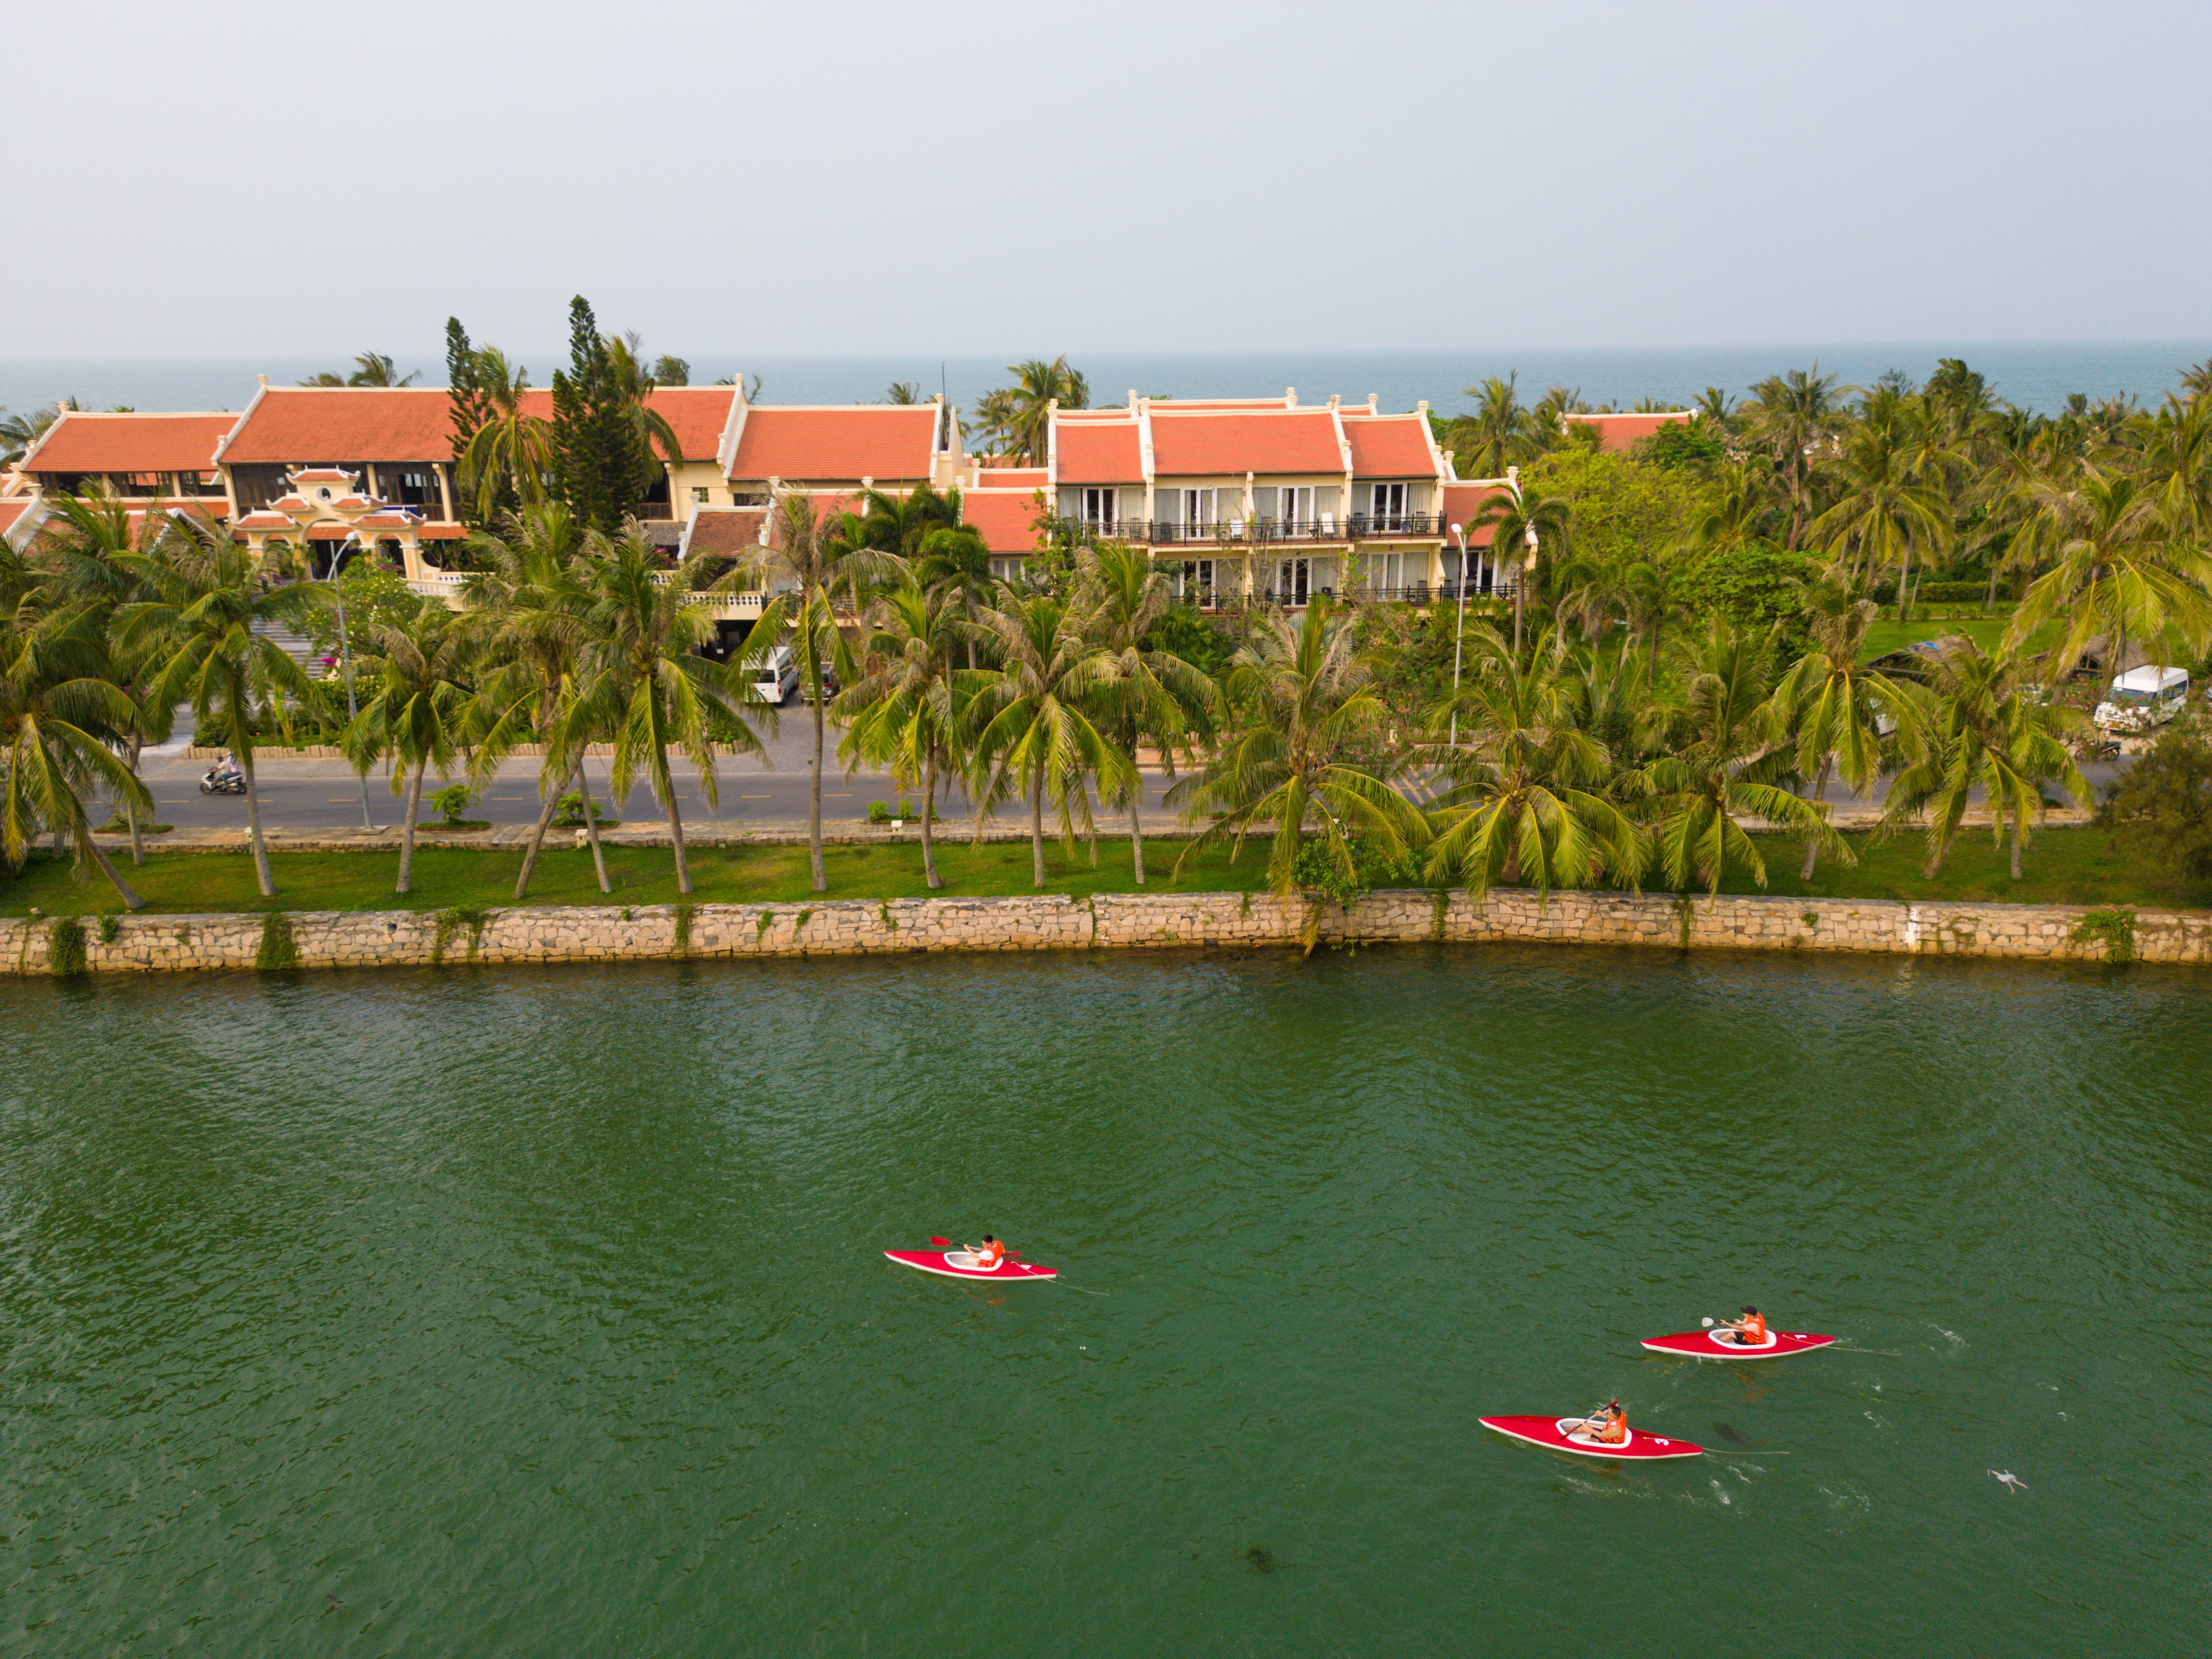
<point>510,456</point>
<point>531,593</point>
<point>905,709</point>
<point>417,708</point>
<point>201,630</point>
<point>1524,794</point>
<point>649,427</point>
<point>1833,706</point>
<point>816,564</point>
<point>81,551</point>
<point>900,524</point>
<point>958,559</point>
<point>1153,695</point>
<point>1532,521</point>
<point>1032,719</point>
<point>1738,511</point>
<point>2119,571</point>
<point>19,432</point>
<point>1648,593</point>
<point>1793,416</point>
<point>648,684</point>
<point>1301,712</point>
<point>1020,414</point>
<point>1990,732</point>
<point>904,391</point>
<point>1727,749</point>
<point>59,715</point>
<point>1884,509</point>
<point>1499,434</point>
<point>375,368</point>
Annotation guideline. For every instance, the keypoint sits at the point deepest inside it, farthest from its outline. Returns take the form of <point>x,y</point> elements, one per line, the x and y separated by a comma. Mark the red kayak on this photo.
<point>1717,1344</point>
<point>961,1264</point>
<point>1566,1434</point>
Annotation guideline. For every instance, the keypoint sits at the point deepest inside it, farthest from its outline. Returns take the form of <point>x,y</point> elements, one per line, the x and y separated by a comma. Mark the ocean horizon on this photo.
<point>2032,374</point>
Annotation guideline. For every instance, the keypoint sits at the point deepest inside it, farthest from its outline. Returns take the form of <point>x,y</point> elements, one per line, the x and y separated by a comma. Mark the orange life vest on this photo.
<point>991,1254</point>
<point>1615,1430</point>
<point>1755,1328</point>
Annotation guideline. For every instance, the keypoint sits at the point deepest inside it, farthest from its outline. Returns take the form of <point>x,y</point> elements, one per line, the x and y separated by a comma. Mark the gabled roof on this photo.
<point>1620,432</point>
<point>1462,502</point>
<point>888,442</point>
<point>1188,443</point>
<point>1006,520</point>
<point>1092,451</point>
<point>287,425</point>
<point>83,441</point>
<point>722,531</point>
<point>1389,445</point>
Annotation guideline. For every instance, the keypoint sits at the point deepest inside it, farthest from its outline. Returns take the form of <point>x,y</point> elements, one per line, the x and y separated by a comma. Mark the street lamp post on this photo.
<point>1459,638</point>
<point>345,656</point>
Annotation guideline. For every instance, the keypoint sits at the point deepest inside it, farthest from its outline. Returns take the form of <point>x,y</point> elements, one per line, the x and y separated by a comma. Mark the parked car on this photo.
<point>2142,698</point>
<point>829,686</point>
<point>776,678</point>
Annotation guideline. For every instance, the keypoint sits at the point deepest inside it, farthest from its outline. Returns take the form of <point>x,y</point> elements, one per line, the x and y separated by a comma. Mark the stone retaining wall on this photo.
<point>848,926</point>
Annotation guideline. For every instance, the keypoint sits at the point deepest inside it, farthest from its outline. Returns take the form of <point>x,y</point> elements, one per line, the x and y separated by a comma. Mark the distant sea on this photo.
<point>2035,375</point>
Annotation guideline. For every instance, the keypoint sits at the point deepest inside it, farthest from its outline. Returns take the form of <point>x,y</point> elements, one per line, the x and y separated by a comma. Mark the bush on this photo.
<point>1940,592</point>
<point>65,948</point>
<point>1186,634</point>
<point>568,813</point>
<point>453,801</point>
<point>1318,871</point>
<point>2162,806</point>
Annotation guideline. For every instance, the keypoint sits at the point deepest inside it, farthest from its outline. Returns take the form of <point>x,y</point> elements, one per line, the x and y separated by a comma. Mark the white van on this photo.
<point>2142,698</point>
<point>775,678</point>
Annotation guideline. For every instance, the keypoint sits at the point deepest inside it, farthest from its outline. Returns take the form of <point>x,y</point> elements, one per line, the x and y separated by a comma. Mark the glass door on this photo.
<point>1388,509</point>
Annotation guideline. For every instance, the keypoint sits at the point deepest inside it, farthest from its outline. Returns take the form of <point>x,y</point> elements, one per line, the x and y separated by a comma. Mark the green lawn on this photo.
<point>2064,866</point>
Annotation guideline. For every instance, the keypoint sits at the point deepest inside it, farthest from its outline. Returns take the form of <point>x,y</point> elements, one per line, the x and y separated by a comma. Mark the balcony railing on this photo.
<point>1250,532</point>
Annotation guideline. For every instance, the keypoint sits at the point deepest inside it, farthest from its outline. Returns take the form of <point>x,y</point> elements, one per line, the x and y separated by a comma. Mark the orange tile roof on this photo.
<point>1389,445</point>
<point>1006,518</point>
<point>1294,440</point>
<point>723,532</point>
<point>1462,502</point>
<point>888,442</point>
<point>288,425</point>
<point>12,510</point>
<point>1093,452</point>
<point>1620,432</point>
<point>292,424</point>
<point>83,441</point>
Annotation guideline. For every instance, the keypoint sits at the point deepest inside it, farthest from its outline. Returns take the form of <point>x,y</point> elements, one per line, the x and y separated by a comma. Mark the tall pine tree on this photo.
<point>471,409</point>
<point>597,448</point>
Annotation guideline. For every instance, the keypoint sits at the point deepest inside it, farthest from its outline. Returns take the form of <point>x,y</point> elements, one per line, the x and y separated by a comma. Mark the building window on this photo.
<point>1098,510</point>
<point>1390,506</point>
<point>698,492</point>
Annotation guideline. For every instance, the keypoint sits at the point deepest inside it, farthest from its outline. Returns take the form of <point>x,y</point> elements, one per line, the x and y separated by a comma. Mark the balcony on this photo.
<point>1250,532</point>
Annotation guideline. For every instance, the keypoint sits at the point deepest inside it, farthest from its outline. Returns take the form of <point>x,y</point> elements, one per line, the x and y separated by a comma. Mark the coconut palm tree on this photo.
<point>1153,696</point>
<point>1723,750</point>
<point>901,523</point>
<point>1991,732</point>
<point>958,559</point>
<point>510,456</point>
<point>1885,507</point>
<point>1531,525</point>
<point>1794,417</point>
<point>81,551</point>
<point>649,685</point>
<point>1032,719</point>
<point>1020,414</point>
<point>650,429</point>
<point>374,369</point>
<point>532,593</point>
<point>904,711</point>
<point>1739,511</point>
<point>903,392</point>
<point>1499,434</point>
<point>19,432</point>
<point>201,630</point>
<point>2119,570</point>
<point>810,565</point>
<point>1523,794</point>
<point>416,713</point>
<point>1833,707</point>
<point>59,714</point>
<point>1296,752</point>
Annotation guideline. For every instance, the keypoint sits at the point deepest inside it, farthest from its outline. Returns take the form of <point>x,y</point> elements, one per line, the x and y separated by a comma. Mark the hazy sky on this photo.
<point>218,178</point>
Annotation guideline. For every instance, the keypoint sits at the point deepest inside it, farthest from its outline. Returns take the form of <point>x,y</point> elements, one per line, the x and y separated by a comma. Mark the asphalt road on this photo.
<point>319,795</point>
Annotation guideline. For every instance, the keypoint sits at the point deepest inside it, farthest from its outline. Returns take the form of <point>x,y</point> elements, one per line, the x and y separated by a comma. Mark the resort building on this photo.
<point>1618,433</point>
<point>1246,501</point>
<point>1240,500</point>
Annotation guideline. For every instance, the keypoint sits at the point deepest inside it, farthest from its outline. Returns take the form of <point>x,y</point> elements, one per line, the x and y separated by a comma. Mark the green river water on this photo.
<point>544,1312</point>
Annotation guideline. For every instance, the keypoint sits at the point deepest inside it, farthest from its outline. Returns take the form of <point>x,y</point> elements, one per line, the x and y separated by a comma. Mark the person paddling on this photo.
<point>1750,1329</point>
<point>990,1254</point>
<point>1608,1426</point>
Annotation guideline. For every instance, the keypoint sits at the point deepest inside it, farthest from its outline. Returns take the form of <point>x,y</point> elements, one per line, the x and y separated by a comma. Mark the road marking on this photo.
<point>740,798</point>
